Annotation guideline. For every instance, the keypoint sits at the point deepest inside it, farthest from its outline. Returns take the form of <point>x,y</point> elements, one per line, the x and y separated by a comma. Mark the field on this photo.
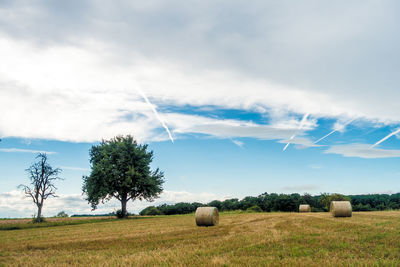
<point>241,239</point>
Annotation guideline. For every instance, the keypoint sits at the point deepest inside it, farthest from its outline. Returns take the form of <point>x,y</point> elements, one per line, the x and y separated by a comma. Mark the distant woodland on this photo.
<point>283,202</point>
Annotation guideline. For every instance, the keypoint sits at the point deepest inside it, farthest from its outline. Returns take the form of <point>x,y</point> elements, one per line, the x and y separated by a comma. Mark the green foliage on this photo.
<point>120,214</point>
<point>216,203</point>
<point>254,209</point>
<point>121,170</point>
<point>248,202</point>
<point>230,204</point>
<point>375,202</point>
<point>151,211</point>
<point>62,214</point>
<point>288,202</point>
<point>179,208</point>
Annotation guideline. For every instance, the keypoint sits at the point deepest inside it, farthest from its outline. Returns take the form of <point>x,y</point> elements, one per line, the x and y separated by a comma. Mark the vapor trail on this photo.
<point>155,113</point>
<point>335,130</point>
<point>300,127</point>
<point>385,138</point>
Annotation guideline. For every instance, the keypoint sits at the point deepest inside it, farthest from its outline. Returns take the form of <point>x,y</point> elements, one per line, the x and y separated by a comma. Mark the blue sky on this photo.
<point>233,82</point>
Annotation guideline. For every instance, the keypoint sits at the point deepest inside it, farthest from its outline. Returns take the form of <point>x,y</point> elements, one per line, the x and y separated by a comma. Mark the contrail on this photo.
<point>385,138</point>
<point>156,113</point>
<point>300,127</point>
<point>335,130</point>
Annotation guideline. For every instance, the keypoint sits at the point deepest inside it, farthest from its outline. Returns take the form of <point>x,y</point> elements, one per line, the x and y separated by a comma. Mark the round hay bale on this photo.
<point>207,216</point>
<point>304,208</point>
<point>341,209</point>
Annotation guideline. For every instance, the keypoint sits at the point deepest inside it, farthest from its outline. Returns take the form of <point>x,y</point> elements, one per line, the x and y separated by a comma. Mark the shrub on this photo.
<point>151,211</point>
<point>62,214</point>
<point>121,215</point>
<point>361,207</point>
<point>38,219</point>
<point>254,208</point>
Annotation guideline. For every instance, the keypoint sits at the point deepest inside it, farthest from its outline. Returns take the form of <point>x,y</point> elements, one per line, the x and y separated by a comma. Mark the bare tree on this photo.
<point>42,177</point>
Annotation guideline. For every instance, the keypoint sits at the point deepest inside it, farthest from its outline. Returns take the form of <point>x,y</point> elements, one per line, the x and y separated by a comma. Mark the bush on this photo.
<point>151,211</point>
<point>254,208</point>
<point>313,209</point>
<point>120,215</point>
<point>38,219</point>
<point>62,214</point>
<point>361,207</point>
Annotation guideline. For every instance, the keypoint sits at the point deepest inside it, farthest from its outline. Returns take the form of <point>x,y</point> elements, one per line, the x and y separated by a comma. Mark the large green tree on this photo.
<point>121,170</point>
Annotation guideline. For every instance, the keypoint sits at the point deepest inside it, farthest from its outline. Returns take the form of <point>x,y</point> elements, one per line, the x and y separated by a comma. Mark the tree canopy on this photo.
<point>120,168</point>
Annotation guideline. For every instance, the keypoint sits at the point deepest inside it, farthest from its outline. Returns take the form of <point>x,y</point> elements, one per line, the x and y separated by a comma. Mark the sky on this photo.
<point>235,98</point>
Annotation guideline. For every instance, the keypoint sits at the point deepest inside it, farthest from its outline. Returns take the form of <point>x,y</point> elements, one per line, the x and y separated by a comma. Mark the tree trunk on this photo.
<point>123,207</point>
<point>39,213</point>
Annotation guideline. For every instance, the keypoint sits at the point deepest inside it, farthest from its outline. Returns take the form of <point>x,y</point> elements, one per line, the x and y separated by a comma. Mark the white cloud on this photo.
<point>184,196</point>
<point>19,150</point>
<point>340,126</point>
<point>224,128</point>
<point>15,204</point>
<point>315,166</point>
<point>300,142</point>
<point>69,70</point>
<point>362,151</point>
<point>87,98</point>
<point>74,168</point>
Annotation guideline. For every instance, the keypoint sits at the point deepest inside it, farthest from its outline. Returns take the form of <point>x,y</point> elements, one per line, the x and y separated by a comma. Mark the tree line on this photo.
<point>283,202</point>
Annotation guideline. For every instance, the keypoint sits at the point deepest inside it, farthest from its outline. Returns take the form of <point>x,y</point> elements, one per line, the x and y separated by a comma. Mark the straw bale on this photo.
<point>341,209</point>
<point>207,216</point>
<point>304,208</point>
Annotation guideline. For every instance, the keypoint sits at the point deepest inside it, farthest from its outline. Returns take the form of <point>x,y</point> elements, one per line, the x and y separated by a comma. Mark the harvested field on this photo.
<point>240,239</point>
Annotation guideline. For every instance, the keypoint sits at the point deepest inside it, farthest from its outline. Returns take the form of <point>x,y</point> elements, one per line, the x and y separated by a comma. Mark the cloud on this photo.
<point>15,204</point>
<point>300,142</point>
<point>74,168</point>
<point>19,150</point>
<point>228,128</point>
<point>77,64</point>
<point>362,151</point>
<point>315,166</point>
<point>184,196</point>
<point>340,125</point>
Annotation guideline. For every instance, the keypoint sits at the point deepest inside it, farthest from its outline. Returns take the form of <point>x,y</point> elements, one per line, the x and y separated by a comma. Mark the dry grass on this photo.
<point>241,239</point>
<point>55,219</point>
